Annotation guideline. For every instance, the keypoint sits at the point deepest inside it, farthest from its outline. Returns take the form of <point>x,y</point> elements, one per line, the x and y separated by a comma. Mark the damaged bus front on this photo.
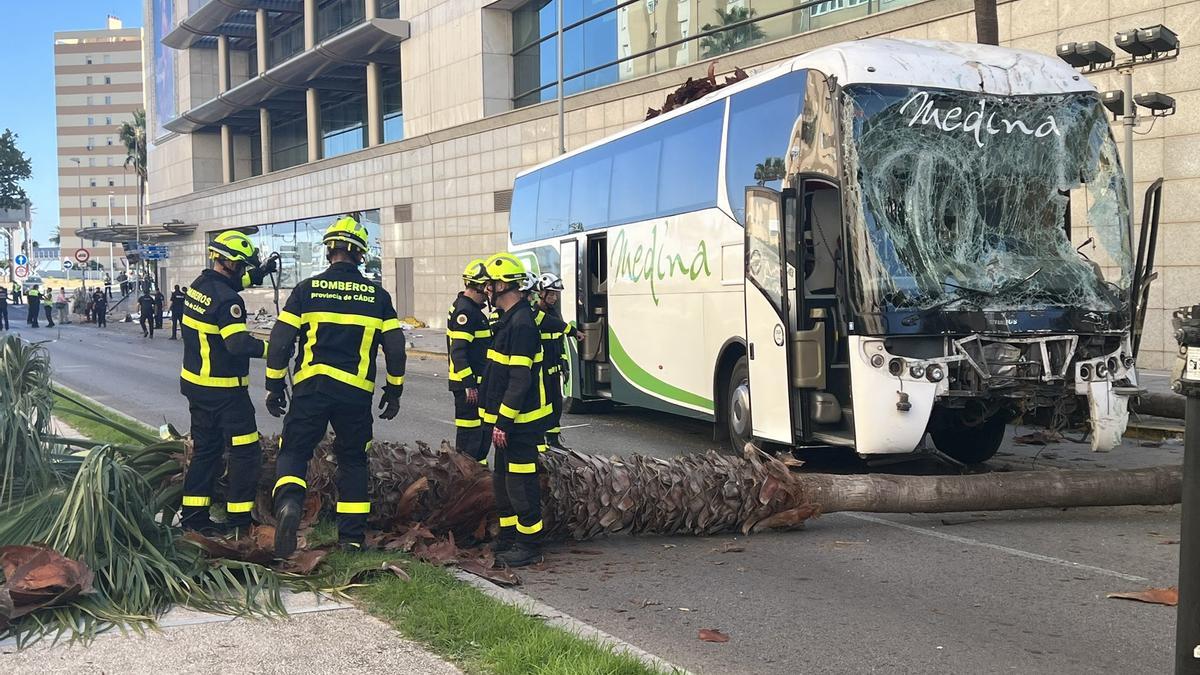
<point>989,267</point>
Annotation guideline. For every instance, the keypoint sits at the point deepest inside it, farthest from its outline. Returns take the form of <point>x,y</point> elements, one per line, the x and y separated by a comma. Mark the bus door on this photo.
<point>595,376</point>
<point>569,305</point>
<point>766,301</point>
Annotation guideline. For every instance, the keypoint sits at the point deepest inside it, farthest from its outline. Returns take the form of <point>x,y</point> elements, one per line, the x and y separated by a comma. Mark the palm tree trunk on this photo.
<point>987,29</point>
<point>586,496</point>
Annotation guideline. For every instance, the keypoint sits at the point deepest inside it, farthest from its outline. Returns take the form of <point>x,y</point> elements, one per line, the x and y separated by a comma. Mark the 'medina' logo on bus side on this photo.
<point>655,264</point>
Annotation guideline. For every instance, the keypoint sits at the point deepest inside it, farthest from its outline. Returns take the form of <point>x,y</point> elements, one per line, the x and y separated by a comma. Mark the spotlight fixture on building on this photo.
<point>1143,45</point>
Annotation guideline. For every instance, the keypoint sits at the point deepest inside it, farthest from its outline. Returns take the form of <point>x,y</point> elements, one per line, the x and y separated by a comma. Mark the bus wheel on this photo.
<point>970,444</point>
<point>737,406</point>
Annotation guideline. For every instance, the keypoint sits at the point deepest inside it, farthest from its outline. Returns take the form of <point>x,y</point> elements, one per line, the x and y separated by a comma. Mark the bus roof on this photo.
<point>937,64</point>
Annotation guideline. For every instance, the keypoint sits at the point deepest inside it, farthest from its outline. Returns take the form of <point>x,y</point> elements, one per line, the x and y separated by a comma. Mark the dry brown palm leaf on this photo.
<point>38,576</point>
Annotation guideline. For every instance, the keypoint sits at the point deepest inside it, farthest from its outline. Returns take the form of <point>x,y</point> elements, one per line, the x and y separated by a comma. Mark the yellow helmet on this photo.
<point>475,272</point>
<point>506,267</point>
<point>232,245</point>
<point>345,232</point>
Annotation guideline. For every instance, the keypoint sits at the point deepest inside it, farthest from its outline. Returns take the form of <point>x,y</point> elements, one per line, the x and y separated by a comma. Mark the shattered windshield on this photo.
<point>973,201</point>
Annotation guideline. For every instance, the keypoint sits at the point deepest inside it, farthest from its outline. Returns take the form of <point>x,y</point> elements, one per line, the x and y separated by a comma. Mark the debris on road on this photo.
<point>713,635</point>
<point>1168,596</point>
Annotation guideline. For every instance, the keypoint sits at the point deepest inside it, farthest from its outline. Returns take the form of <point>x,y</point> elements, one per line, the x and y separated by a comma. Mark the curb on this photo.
<point>559,619</point>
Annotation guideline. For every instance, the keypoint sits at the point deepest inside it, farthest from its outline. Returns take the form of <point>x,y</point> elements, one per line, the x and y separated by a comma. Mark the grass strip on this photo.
<point>69,412</point>
<point>479,633</point>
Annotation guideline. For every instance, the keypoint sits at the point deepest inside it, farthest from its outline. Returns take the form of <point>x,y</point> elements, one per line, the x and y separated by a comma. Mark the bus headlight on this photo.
<point>1128,361</point>
<point>1085,371</point>
<point>935,373</point>
<point>1113,364</point>
<point>1101,370</point>
<point>917,371</point>
<point>896,367</point>
<point>877,360</point>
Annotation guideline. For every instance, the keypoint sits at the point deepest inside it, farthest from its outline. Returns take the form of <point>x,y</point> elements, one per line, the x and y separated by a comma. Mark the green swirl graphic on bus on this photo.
<point>641,263</point>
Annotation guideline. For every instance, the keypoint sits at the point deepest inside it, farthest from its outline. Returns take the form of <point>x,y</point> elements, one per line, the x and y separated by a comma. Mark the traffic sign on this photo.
<point>82,255</point>
<point>67,264</point>
<point>21,271</point>
<point>21,259</point>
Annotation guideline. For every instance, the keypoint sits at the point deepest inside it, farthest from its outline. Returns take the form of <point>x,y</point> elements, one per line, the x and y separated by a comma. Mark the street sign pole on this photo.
<point>1186,322</point>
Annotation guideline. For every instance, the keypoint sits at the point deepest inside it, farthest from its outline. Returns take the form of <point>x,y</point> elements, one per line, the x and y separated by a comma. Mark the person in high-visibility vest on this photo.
<point>217,349</point>
<point>553,330</point>
<point>468,337</point>
<point>514,402</point>
<point>341,318</point>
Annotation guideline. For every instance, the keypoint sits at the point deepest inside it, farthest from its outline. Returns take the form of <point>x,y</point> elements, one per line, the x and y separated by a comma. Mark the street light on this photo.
<point>1143,45</point>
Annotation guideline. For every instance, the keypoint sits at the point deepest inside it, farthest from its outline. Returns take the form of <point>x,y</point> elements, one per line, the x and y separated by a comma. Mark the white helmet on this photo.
<point>549,282</point>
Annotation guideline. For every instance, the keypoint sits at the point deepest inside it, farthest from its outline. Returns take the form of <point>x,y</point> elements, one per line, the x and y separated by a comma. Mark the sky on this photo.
<point>27,85</point>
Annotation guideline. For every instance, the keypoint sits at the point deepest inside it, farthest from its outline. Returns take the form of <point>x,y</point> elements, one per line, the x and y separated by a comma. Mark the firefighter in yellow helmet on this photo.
<point>514,402</point>
<point>468,337</point>
<point>341,319</point>
<point>217,350</point>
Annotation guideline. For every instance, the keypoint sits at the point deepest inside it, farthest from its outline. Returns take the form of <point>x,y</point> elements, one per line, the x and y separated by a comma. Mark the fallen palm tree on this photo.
<point>586,496</point>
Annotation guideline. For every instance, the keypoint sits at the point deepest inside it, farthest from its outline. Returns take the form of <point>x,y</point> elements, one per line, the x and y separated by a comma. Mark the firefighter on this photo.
<point>553,330</point>
<point>468,337</point>
<point>514,402</point>
<point>217,349</point>
<point>341,318</point>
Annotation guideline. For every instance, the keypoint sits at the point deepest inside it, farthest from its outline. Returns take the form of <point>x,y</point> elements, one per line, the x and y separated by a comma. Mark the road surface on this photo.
<point>951,593</point>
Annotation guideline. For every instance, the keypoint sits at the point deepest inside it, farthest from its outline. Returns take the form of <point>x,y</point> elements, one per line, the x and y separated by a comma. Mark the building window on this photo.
<point>107,58</point>
<point>611,44</point>
<point>94,223</point>
<point>91,182</point>
<point>110,160</point>
<point>107,79</point>
<point>88,80</point>
<point>338,15</point>
<point>393,108</point>
<point>89,101</point>
<point>108,140</point>
<point>93,203</point>
<point>107,100</point>
<point>111,182</point>
<point>342,128</point>
<point>91,142</point>
<point>108,120</point>
<point>88,59</point>
<point>289,142</point>
<point>286,42</point>
<point>299,242</point>
<point>91,121</point>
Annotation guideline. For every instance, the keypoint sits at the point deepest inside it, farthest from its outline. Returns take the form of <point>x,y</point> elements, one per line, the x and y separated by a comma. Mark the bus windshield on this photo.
<point>979,202</point>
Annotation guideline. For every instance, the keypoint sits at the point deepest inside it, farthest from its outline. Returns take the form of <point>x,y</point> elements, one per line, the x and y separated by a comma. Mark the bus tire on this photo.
<point>970,444</point>
<point>736,403</point>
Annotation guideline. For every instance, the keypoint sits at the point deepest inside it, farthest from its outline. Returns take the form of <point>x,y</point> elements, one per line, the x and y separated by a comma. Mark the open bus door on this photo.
<point>568,304</point>
<point>766,301</point>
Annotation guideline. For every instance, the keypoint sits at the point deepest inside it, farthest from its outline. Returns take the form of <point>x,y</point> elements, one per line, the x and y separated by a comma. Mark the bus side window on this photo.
<point>822,225</point>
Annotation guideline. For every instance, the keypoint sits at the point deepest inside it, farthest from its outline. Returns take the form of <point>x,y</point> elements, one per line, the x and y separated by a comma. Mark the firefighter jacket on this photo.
<point>552,330</point>
<point>341,319</point>
<point>468,337</point>
<point>217,348</point>
<point>514,391</point>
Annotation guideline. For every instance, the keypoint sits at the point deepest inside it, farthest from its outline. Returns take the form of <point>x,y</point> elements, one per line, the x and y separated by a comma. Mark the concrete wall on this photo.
<point>463,142</point>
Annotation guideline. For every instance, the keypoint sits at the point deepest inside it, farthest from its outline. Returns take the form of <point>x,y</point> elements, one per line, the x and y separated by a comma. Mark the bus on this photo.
<point>872,245</point>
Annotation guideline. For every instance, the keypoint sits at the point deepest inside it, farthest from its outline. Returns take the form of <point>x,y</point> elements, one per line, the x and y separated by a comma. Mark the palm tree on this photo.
<point>987,30</point>
<point>770,169</point>
<point>133,135</point>
<point>56,238</point>
<point>732,39</point>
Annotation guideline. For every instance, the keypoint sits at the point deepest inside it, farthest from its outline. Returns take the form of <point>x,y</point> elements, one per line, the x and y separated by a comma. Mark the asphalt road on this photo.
<point>981,593</point>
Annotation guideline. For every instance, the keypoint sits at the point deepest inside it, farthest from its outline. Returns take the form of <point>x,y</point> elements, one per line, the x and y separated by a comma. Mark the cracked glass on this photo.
<point>963,200</point>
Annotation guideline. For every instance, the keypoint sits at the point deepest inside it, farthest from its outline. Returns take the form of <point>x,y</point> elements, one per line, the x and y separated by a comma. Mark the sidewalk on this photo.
<point>319,636</point>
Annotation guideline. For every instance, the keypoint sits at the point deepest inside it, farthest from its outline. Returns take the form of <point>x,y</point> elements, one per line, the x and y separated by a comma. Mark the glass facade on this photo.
<point>289,143</point>
<point>604,44</point>
<point>298,243</point>
<point>342,128</point>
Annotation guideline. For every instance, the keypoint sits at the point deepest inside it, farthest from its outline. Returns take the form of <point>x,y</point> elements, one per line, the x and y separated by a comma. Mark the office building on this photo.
<point>282,114</point>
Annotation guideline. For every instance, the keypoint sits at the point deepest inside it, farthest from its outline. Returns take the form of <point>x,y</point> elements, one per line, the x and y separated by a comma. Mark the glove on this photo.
<point>276,403</point>
<point>473,395</point>
<point>271,265</point>
<point>390,403</point>
<point>499,438</point>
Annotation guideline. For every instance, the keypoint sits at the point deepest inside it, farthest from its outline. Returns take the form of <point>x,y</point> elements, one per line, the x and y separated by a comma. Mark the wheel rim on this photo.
<point>739,409</point>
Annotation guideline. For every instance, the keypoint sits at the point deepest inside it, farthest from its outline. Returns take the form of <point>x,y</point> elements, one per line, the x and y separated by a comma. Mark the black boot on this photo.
<point>351,547</point>
<point>287,522</point>
<point>204,527</point>
<point>556,440</point>
<point>520,554</point>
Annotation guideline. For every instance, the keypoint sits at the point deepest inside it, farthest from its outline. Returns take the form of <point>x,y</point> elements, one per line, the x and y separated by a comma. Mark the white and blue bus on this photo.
<point>868,243</point>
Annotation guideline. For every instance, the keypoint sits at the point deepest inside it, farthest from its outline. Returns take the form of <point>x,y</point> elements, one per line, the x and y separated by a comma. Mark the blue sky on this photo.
<point>27,84</point>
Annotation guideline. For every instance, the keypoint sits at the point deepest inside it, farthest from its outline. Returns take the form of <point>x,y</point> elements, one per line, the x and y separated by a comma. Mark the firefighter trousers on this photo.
<point>517,488</point>
<point>467,427</point>
<point>303,428</point>
<point>554,392</point>
<point>222,420</point>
